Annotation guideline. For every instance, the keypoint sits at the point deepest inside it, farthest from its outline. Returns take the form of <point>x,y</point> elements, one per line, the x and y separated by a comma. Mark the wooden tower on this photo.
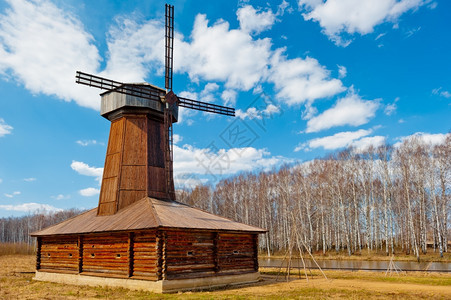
<point>139,237</point>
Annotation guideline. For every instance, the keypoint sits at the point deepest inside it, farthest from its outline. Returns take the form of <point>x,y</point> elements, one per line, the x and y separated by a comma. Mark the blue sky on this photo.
<point>306,77</point>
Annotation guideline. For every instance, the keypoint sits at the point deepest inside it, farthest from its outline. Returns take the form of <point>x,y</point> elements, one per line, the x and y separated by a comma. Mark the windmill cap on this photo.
<point>140,98</point>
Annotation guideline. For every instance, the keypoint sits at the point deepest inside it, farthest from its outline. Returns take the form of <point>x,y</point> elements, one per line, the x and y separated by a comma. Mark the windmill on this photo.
<point>163,103</point>
<point>139,237</point>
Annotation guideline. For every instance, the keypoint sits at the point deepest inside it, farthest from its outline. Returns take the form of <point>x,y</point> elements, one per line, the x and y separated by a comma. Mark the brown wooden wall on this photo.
<point>237,253</point>
<point>106,254</point>
<point>189,254</point>
<point>150,254</point>
<point>59,253</point>
<point>145,262</point>
<point>134,163</point>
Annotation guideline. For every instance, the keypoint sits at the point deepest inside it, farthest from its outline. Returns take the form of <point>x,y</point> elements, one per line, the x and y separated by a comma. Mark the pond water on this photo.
<point>358,265</point>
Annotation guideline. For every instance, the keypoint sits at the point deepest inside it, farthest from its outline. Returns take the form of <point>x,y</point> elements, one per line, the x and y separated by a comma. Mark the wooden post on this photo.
<point>159,253</point>
<point>255,244</point>
<point>215,251</point>
<point>38,252</point>
<point>130,254</point>
<point>80,254</point>
<point>164,266</point>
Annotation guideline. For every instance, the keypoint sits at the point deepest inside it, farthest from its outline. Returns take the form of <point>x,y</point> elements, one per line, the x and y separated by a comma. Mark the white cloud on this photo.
<point>254,113</point>
<point>217,53</point>
<point>60,197</point>
<point>188,180</point>
<point>363,144</point>
<point>390,109</point>
<point>88,192</point>
<point>412,32</point>
<point>31,207</point>
<point>338,140</point>
<point>340,19</point>
<point>85,143</point>
<point>299,80</point>
<point>84,169</point>
<point>350,110</point>
<point>380,35</point>
<point>229,97</point>
<point>433,5</point>
<point>31,179</point>
<point>177,138</point>
<point>309,111</point>
<point>284,6</point>
<point>4,128</point>
<point>438,91</point>
<point>208,93</point>
<point>1,180</point>
<point>427,138</point>
<point>188,159</point>
<point>254,21</point>
<point>342,71</point>
<point>13,194</point>
<point>42,46</point>
<point>134,49</point>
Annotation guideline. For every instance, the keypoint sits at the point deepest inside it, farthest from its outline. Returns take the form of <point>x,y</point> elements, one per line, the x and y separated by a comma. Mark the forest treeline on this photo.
<point>385,199</point>
<point>16,230</point>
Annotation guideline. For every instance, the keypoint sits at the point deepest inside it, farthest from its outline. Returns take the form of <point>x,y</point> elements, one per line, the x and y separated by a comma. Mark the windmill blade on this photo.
<point>169,46</point>
<point>142,91</point>
<point>208,107</point>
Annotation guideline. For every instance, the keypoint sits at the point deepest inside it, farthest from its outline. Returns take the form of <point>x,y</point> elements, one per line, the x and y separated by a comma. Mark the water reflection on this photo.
<point>359,265</point>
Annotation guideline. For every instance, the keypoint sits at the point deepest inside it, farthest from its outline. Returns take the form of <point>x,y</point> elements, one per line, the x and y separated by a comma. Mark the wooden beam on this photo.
<point>130,254</point>
<point>80,254</point>
<point>159,253</point>
<point>215,251</point>
<point>164,267</point>
<point>38,252</point>
<point>255,244</point>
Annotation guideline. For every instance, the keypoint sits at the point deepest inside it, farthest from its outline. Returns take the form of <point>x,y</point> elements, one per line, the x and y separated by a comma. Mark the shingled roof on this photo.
<point>146,213</point>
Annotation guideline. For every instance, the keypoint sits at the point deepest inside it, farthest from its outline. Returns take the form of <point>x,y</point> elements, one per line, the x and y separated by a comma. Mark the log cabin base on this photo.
<point>160,286</point>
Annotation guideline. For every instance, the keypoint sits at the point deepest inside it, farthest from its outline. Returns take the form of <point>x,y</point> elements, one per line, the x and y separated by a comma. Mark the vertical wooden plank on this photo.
<point>130,254</point>
<point>80,254</point>
<point>159,252</point>
<point>255,244</point>
<point>124,120</point>
<point>113,161</point>
<point>38,252</point>
<point>215,251</point>
<point>164,266</point>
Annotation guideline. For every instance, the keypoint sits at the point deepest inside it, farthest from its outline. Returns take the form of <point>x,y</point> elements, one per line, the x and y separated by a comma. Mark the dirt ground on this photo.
<point>16,272</point>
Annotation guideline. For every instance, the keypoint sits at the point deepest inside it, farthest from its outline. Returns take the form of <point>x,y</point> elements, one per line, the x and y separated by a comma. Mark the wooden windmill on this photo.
<point>152,110</point>
<point>139,237</point>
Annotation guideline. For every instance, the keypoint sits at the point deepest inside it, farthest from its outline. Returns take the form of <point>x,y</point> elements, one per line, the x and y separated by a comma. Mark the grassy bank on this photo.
<point>16,282</point>
<point>430,256</point>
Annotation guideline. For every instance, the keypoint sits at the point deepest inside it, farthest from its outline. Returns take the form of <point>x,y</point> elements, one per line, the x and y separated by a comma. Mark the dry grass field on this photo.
<point>17,271</point>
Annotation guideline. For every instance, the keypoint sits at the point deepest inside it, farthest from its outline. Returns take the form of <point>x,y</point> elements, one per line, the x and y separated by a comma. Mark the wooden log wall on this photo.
<point>59,253</point>
<point>106,254</point>
<point>145,262</point>
<point>189,254</point>
<point>236,253</point>
<point>150,255</point>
